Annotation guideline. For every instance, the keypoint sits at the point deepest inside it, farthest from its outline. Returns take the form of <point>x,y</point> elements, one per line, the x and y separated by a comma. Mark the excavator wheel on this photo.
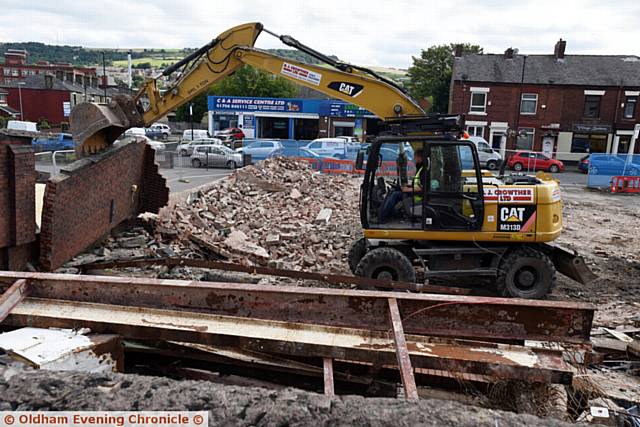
<point>386,264</point>
<point>526,273</point>
<point>356,252</point>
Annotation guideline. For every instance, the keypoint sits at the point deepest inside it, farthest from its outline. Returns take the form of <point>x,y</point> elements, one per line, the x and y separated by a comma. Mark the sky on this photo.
<point>373,32</point>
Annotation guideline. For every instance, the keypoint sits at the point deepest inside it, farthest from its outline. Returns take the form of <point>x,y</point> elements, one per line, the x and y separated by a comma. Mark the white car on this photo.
<point>156,145</point>
<point>162,127</point>
<point>350,139</point>
<point>187,148</point>
<point>135,132</point>
<point>261,149</point>
<point>488,157</point>
<point>197,134</point>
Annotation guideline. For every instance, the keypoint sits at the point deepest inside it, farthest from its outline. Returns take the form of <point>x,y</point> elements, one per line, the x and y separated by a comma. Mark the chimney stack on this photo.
<point>558,51</point>
<point>508,54</point>
<point>457,52</point>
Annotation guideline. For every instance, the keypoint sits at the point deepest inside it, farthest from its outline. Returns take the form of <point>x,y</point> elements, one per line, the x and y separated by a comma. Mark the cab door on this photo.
<point>452,186</point>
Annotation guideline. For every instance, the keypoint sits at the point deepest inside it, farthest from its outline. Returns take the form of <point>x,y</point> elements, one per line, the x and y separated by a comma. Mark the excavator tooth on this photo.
<point>95,127</point>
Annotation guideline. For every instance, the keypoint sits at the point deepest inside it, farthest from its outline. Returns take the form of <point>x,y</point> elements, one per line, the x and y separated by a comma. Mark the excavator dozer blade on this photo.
<point>96,126</point>
<point>571,264</point>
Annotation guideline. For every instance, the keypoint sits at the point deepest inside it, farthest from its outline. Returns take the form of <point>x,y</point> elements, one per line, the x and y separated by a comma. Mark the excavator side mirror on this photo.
<point>360,160</point>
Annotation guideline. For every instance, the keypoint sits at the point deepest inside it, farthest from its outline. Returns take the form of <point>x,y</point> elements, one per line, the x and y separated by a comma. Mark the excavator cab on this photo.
<point>440,189</point>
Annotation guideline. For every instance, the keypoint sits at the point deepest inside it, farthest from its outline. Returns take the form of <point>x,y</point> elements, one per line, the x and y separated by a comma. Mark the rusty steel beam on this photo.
<point>327,370</point>
<point>500,319</point>
<point>501,361</point>
<point>402,353</point>
<point>12,297</point>
<point>334,279</point>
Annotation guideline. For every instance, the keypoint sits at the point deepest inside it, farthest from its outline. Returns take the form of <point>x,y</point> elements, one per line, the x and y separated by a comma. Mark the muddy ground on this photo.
<point>238,406</point>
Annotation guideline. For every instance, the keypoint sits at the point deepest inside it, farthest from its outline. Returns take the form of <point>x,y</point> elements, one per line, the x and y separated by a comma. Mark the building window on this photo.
<point>529,103</point>
<point>15,72</point>
<point>589,143</point>
<point>525,139</point>
<point>630,107</point>
<point>478,103</point>
<point>3,99</point>
<point>592,106</point>
<point>7,71</point>
<point>475,131</point>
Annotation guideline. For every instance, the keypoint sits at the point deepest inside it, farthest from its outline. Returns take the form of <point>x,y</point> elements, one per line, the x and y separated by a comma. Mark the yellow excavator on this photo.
<point>439,216</point>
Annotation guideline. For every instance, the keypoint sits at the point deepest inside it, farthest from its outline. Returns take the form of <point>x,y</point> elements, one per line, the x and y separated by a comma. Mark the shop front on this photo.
<point>288,118</point>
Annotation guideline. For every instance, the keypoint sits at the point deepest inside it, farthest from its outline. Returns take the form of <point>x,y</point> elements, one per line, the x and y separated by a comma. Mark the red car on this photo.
<point>530,161</point>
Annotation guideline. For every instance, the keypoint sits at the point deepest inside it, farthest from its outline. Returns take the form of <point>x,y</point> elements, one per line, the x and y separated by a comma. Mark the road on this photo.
<point>182,179</point>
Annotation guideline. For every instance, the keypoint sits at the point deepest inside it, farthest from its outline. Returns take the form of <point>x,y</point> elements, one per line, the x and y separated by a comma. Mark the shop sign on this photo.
<point>283,105</point>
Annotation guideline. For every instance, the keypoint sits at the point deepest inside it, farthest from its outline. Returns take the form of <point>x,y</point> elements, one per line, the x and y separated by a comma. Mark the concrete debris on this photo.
<point>276,212</point>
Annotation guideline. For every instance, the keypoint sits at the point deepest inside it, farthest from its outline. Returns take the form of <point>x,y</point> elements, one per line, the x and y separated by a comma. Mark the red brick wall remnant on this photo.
<point>17,200</point>
<point>93,196</point>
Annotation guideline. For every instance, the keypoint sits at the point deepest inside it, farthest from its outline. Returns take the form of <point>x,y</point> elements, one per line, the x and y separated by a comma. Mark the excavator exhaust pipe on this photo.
<point>95,127</point>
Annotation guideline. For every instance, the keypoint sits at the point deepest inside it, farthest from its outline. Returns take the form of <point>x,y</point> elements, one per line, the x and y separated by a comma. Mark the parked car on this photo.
<point>215,156</point>
<point>488,157</point>
<point>187,135</point>
<point>135,132</point>
<point>260,150</point>
<point>583,164</point>
<point>158,131</point>
<point>22,125</point>
<point>126,139</point>
<point>614,165</point>
<point>186,149</point>
<point>528,160</point>
<point>61,141</point>
<point>389,152</point>
<point>232,137</point>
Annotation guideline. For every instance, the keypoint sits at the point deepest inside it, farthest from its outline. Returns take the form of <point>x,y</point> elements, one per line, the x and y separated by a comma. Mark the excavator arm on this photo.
<point>96,126</point>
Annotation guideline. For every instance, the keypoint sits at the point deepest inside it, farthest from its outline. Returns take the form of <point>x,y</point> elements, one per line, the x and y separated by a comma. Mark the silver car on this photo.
<point>186,149</point>
<point>215,156</point>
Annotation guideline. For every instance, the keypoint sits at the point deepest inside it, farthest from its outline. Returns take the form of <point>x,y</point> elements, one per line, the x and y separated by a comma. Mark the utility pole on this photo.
<point>104,77</point>
<point>191,119</point>
<point>20,96</point>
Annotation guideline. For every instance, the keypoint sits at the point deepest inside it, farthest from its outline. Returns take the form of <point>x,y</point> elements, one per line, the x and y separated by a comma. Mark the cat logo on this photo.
<point>347,88</point>
<point>511,214</point>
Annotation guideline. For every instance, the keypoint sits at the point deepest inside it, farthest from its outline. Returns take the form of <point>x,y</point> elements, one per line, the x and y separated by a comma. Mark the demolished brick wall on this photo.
<point>94,195</point>
<point>17,200</point>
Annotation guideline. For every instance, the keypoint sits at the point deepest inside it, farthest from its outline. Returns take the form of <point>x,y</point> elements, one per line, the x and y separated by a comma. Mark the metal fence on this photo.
<point>605,168</point>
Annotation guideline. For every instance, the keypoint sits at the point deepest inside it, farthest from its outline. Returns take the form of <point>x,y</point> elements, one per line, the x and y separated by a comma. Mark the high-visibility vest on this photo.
<point>417,191</point>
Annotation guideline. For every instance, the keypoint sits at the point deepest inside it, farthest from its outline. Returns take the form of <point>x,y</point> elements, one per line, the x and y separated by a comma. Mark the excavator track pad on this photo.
<point>95,127</point>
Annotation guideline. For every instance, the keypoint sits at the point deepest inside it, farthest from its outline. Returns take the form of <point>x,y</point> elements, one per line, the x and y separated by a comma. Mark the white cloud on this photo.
<point>374,32</point>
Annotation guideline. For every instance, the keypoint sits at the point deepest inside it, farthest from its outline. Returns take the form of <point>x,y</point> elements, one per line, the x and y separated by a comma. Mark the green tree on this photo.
<point>247,81</point>
<point>430,74</point>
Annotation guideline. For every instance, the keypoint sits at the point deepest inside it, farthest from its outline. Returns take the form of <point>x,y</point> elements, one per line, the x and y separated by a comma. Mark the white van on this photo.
<point>21,125</point>
<point>488,157</point>
<point>197,134</point>
<point>329,147</point>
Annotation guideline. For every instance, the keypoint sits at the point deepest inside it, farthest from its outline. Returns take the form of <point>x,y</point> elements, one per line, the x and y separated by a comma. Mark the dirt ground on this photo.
<point>238,406</point>
<point>605,229</point>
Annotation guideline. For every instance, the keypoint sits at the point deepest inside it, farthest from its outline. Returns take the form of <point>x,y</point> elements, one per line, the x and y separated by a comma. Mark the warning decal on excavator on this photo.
<point>514,218</point>
<point>522,195</point>
<point>300,73</point>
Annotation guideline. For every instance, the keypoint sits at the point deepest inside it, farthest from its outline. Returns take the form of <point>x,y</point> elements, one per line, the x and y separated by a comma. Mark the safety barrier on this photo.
<point>335,166</point>
<point>315,164</point>
<point>625,184</point>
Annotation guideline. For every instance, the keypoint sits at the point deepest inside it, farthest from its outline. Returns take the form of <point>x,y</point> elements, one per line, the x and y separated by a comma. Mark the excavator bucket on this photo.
<point>96,126</point>
<point>570,264</point>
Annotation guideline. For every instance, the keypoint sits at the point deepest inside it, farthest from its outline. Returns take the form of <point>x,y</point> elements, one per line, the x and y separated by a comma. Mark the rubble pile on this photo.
<point>278,213</point>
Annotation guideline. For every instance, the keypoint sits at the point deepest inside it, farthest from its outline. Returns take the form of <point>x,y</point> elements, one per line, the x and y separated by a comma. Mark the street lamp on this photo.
<point>20,97</point>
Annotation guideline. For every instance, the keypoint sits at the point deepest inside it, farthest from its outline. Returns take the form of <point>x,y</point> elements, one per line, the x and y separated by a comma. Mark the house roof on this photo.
<point>584,70</point>
<point>38,83</point>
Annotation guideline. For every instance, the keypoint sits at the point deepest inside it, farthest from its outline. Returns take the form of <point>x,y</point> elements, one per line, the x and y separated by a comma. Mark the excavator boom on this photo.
<point>95,127</point>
